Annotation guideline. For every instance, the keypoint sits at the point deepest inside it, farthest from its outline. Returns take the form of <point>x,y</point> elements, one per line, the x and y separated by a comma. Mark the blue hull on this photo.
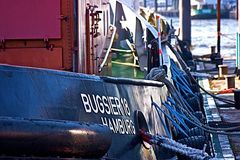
<point>48,94</point>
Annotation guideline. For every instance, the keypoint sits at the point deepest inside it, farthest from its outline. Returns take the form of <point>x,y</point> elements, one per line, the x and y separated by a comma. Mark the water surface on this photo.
<point>204,35</point>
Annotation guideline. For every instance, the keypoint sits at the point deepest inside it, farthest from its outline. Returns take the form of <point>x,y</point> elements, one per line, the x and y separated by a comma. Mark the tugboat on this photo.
<point>58,96</point>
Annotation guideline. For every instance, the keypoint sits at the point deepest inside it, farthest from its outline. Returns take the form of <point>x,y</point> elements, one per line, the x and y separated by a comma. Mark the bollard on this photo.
<point>237,98</point>
<point>230,81</point>
<point>216,57</point>
<point>222,70</point>
<point>213,49</point>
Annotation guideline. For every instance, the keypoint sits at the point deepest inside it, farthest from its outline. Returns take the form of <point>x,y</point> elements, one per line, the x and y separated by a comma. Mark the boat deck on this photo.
<point>221,114</point>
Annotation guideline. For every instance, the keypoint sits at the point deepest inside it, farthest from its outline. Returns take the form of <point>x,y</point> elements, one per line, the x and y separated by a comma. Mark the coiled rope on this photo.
<point>170,144</point>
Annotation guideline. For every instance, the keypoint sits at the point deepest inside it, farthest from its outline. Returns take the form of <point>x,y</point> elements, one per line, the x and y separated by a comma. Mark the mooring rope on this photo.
<point>159,74</point>
<point>171,145</point>
<point>186,69</point>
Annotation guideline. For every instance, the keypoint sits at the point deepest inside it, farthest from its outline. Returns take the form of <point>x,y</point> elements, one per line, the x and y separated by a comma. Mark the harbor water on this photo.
<point>204,35</point>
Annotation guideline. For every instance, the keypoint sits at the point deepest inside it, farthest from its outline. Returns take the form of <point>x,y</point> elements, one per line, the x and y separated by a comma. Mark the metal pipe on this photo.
<point>238,41</point>
<point>52,138</point>
<point>82,41</point>
<point>238,53</point>
<point>156,5</point>
<point>121,50</point>
<point>185,20</point>
<point>218,25</point>
<point>237,5</point>
<point>75,61</point>
<point>159,40</point>
<point>88,47</point>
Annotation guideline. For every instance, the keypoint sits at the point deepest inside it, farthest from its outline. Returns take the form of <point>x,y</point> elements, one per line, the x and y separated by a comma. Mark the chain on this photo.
<point>170,144</point>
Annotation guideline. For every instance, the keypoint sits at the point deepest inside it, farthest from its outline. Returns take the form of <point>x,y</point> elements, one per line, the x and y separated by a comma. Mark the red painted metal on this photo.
<point>29,28</point>
<point>50,24</point>
<point>88,47</point>
<point>33,57</point>
<point>30,19</point>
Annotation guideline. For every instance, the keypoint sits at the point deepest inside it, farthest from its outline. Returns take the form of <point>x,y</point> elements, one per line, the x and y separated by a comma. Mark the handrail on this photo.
<point>113,30</point>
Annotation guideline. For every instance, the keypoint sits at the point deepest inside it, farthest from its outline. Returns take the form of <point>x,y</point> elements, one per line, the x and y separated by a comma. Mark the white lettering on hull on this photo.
<point>105,104</point>
<point>121,126</point>
<point>110,105</point>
